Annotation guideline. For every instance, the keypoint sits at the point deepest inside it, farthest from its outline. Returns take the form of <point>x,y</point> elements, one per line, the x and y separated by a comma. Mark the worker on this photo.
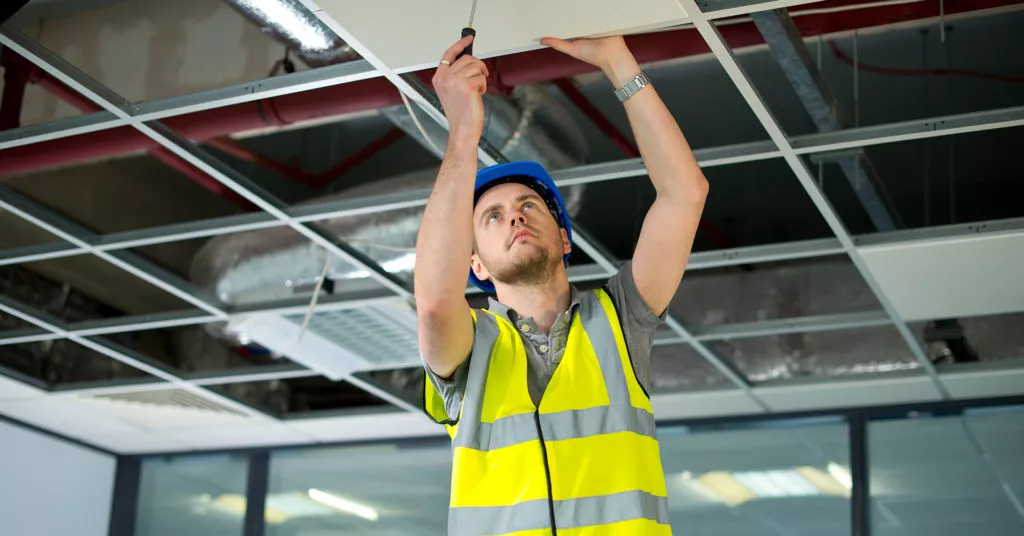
<point>545,392</point>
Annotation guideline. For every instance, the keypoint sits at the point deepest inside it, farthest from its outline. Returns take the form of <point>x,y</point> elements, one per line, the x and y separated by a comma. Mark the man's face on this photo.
<point>518,240</point>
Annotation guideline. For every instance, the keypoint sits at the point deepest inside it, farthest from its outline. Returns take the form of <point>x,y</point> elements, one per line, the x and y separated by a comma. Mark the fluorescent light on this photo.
<point>841,475</point>
<point>343,505</point>
<point>781,483</point>
<point>296,24</point>
<point>726,488</point>
<point>740,487</point>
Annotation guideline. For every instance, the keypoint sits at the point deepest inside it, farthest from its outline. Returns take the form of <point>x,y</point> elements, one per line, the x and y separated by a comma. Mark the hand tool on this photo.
<point>468,30</point>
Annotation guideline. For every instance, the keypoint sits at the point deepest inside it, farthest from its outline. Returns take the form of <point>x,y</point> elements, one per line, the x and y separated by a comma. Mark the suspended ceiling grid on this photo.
<point>75,411</point>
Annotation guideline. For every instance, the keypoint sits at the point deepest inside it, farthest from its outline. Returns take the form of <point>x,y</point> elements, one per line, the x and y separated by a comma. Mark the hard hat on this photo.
<point>529,174</point>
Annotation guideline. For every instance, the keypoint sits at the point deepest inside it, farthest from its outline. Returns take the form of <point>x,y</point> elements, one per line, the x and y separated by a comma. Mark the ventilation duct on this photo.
<point>276,264</point>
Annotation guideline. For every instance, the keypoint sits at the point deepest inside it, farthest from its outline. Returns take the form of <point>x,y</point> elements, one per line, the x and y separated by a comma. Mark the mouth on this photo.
<point>520,235</point>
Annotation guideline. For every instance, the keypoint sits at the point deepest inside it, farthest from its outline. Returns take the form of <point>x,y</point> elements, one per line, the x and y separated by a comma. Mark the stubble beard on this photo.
<point>532,270</point>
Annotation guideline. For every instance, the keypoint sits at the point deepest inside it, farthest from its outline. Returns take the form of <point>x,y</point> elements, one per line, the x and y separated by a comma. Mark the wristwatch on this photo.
<point>638,82</point>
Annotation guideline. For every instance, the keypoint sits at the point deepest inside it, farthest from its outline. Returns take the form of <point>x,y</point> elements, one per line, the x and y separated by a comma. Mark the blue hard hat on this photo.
<point>529,174</point>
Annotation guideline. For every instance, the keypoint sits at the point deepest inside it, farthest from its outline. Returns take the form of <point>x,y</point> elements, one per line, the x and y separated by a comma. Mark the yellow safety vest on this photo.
<point>584,463</point>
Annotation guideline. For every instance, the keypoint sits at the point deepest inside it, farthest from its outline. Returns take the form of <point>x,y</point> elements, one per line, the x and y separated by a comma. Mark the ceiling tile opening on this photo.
<point>299,397</point>
<point>65,364</point>
<point>818,356</point>
<point>771,291</point>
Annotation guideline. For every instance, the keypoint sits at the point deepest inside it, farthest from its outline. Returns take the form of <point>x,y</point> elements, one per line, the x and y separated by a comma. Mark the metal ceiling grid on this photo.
<point>274,213</point>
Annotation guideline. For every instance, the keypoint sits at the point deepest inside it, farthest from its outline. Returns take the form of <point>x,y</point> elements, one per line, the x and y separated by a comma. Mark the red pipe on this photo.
<point>15,80</point>
<point>600,121</point>
<point>63,92</point>
<point>360,156</point>
<point>508,71</point>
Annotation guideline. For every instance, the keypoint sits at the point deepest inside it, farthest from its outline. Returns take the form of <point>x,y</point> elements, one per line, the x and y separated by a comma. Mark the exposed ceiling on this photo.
<point>188,342</point>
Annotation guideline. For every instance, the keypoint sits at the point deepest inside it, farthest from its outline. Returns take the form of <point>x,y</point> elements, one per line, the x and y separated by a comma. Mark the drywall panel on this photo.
<point>978,275</point>
<point>844,394</point>
<point>412,34</point>
<point>50,486</point>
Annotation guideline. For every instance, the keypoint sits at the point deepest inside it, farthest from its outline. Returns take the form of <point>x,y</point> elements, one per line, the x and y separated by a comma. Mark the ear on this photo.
<point>566,244</point>
<point>478,268</point>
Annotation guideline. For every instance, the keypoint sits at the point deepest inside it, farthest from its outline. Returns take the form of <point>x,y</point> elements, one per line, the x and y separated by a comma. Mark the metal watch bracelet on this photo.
<point>631,88</point>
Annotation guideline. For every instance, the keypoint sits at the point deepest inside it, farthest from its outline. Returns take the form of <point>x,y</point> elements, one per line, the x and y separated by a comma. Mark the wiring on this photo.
<point>416,121</point>
<point>838,52</point>
<point>316,296</point>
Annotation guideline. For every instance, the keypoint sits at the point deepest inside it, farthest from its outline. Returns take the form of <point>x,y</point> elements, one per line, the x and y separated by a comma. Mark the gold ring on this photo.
<point>445,62</point>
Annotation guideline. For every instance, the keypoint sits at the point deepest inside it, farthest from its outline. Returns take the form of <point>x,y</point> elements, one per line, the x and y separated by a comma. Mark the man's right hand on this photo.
<point>460,86</point>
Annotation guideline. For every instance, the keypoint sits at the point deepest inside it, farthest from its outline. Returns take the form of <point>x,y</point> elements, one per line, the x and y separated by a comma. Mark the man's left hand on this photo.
<point>600,53</point>
<point>609,54</point>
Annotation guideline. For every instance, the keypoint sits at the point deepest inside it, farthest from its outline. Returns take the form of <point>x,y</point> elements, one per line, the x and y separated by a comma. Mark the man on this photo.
<point>545,392</point>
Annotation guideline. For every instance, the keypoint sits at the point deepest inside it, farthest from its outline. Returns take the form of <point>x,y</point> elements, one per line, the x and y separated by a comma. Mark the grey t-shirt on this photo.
<point>544,351</point>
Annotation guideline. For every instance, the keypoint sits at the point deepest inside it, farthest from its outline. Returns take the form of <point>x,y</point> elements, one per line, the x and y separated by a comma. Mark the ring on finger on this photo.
<point>445,62</point>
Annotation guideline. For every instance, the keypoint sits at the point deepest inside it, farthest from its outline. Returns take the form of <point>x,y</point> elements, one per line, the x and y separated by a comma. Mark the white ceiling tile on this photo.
<point>703,404</point>
<point>979,384</point>
<point>412,34</point>
<point>371,426</point>
<point>63,416</point>
<point>220,437</point>
<point>12,389</point>
<point>851,393</point>
<point>978,275</point>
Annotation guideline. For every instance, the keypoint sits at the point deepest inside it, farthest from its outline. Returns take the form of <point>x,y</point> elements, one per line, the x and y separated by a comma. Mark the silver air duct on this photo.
<point>279,263</point>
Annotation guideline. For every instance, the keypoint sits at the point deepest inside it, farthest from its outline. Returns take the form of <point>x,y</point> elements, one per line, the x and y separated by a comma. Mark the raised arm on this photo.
<point>445,241</point>
<point>671,224</point>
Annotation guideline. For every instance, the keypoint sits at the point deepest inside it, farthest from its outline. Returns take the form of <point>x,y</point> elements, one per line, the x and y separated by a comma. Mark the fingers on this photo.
<point>470,66</point>
<point>456,49</point>
<point>565,47</point>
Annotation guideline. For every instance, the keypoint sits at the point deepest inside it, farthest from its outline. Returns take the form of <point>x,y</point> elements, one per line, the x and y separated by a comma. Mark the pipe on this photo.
<point>15,80</point>
<point>509,71</point>
<point>63,92</point>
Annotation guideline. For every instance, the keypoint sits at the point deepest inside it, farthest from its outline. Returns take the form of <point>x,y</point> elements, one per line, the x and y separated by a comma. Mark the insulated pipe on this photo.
<point>507,71</point>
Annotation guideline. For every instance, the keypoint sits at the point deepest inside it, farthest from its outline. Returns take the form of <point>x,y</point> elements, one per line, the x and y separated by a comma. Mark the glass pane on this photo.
<point>758,481</point>
<point>678,367</point>
<point>819,355</point>
<point>767,291</point>
<point>199,496</point>
<point>947,476</point>
<point>381,489</point>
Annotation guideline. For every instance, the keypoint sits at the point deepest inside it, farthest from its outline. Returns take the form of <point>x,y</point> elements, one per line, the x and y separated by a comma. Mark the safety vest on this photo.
<point>584,463</point>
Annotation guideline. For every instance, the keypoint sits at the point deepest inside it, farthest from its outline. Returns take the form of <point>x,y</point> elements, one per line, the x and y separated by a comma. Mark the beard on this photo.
<point>530,270</point>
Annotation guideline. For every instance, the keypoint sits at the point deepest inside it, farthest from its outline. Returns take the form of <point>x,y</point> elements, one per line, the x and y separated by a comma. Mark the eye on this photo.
<point>529,204</point>
<point>492,217</point>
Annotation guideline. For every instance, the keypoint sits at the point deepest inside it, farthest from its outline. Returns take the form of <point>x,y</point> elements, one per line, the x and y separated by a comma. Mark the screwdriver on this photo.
<point>468,30</point>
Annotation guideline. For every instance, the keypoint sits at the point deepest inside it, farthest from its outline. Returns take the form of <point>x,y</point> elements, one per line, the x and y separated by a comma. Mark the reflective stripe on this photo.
<point>485,338</point>
<point>583,512</point>
<point>606,348</point>
<point>516,429</point>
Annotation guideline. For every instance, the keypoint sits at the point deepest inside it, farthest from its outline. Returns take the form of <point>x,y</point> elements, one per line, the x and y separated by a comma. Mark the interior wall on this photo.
<point>52,487</point>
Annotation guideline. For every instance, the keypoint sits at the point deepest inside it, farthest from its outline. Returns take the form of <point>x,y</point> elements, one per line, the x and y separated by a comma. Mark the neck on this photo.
<point>543,302</point>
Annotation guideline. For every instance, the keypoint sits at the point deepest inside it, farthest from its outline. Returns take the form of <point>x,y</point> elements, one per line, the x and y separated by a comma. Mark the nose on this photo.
<point>517,216</point>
